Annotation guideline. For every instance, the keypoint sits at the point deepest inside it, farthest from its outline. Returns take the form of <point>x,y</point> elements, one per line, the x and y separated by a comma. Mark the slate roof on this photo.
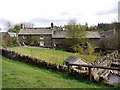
<point>107,33</point>
<point>35,31</point>
<point>59,34</point>
<point>12,34</point>
<point>55,33</point>
<point>92,34</point>
<point>74,60</point>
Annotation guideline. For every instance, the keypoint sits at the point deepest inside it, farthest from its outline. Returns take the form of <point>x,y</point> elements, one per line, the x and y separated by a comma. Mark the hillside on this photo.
<point>49,55</point>
<point>19,75</point>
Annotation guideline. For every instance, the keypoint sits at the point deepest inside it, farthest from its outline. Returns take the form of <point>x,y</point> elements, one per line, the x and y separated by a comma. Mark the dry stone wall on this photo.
<point>37,62</point>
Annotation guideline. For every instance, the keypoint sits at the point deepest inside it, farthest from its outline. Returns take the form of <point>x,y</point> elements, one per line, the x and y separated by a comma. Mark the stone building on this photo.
<point>74,60</point>
<point>42,36</point>
<point>4,38</point>
<point>51,36</point>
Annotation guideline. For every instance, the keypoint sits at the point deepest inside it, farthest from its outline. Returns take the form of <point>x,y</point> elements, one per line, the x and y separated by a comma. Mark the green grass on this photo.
<point>20,75</point>
<point>49,55</point>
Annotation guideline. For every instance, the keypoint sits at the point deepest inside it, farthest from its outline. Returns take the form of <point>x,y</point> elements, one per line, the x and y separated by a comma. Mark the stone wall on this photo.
<point>58,42</point>
<point>38,62</point>
<point>106,60</point>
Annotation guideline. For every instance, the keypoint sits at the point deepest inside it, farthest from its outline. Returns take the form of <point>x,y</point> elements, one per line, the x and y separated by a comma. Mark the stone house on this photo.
<point>51,36</point>
<point>4,38</point>
<point>93,37</point>
<point>59,37</point>
<point>43,36</point>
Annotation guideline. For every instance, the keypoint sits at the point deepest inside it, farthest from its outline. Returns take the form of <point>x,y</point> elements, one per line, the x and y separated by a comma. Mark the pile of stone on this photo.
<point>104,61</point>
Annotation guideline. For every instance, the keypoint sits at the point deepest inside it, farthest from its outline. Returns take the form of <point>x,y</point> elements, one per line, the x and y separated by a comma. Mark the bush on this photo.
<point>28,40</point>
<point>90,49</point>
<point>35,42</point>
<point>11,42</point>
<point>77,48</point>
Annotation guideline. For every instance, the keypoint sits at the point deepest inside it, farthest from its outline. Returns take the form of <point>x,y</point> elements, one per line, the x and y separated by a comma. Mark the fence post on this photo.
<point>89,73</point>
<point>68,68</point>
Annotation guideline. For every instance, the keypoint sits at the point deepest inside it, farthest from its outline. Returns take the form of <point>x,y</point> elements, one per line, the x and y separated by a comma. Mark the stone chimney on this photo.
<point>52,25</point>
<point>22,26</point>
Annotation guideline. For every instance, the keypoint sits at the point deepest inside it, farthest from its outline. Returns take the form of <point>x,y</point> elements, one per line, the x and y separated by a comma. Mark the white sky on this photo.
<point>43,12</point>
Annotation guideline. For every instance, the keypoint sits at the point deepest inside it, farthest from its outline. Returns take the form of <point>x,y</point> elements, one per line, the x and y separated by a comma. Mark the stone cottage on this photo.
<point>50,36</point>
<point>43,36</point>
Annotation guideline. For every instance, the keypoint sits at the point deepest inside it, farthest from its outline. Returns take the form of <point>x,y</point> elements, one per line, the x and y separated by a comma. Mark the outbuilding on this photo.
<point>74,60</point>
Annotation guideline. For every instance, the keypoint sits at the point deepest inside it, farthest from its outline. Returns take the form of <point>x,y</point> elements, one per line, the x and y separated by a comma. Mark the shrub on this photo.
<point>10,42</point>
<point>90,49</point>
<point>77,48</point>
<point>109,43</point>
<point>28,40</point>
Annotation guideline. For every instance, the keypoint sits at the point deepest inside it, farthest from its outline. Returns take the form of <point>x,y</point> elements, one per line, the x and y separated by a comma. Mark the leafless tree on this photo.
<point>8,25</point>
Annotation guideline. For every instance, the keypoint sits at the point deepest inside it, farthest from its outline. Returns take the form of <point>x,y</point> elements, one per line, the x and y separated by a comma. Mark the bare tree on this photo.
<point>8,25</point>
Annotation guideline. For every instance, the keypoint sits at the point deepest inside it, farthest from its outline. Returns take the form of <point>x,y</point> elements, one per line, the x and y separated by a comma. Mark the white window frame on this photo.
<point>42,43</point>
<point>23,37</point>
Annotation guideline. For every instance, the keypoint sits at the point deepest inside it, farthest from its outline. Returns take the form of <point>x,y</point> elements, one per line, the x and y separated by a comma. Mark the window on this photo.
<point>23,43</point>
<point>54,45</point>
<point>41,37</point>
<point>23,37</point>
<point>41,43</point>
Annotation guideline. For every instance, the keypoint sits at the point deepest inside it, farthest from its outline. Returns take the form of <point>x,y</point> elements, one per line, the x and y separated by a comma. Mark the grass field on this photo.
<point>20,75</point>
<point>53,55</point>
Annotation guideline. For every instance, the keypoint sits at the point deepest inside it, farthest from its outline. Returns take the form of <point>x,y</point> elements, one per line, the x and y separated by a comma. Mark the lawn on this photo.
<point>51,55</point>
<point>20,75</point>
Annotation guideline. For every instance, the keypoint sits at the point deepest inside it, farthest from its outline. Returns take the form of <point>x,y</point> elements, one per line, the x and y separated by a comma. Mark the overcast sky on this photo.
<point>43,12</point>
